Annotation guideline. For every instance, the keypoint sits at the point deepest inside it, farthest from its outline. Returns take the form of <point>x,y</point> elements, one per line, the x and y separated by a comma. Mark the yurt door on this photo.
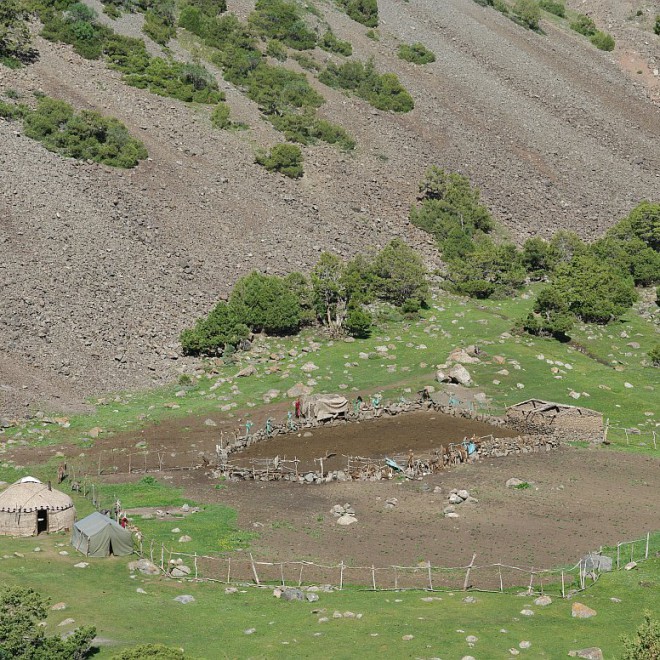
<point>42,520</point>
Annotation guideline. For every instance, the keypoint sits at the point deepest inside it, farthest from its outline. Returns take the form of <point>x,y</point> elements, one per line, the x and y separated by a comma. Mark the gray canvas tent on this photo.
<point>99,536</point>
<point>324,406</point>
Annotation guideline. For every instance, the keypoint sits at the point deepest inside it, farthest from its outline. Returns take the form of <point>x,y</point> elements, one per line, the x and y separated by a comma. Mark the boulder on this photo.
<point>185,599</point>
<point>250,370</point>
<point>630,565</point>
<point>454,498</point>
<point>298,390</point>
<point>543,601</point>
<point>308,367</point>
<point>145,567</point>
<point>180,571</point>
<point>592,653</point>
<point>593,562</point>
<point>459,374</point>
<point>346,519</point>
<point>292,594</point>
<point>513,482</point>
<point>463,494</point>
<point>442,377</point>
<point>311,597</point>
<point>581,611</point>
<point>461,356</point>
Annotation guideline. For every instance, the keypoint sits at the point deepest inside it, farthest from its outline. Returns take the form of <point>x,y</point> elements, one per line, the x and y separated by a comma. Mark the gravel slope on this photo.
<point>101,269</point>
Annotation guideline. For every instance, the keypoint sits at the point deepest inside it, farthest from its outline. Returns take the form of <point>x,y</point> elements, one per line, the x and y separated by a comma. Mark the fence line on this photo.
<point>628,432</point>
<point>244,569</point>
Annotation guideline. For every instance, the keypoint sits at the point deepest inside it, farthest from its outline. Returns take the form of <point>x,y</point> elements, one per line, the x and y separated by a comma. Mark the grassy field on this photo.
<point>105,595</point>
<point>609,375</point>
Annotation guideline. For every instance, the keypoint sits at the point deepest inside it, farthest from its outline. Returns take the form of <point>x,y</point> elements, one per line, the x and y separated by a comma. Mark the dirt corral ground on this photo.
<point>579,499</point>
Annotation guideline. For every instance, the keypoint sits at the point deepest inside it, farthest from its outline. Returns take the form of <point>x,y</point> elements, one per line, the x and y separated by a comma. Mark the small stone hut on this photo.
<point>570,421</point>
<point>29,507</point>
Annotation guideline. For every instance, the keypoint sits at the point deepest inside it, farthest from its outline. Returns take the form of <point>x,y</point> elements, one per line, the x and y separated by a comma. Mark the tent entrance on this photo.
<point>42,520</point>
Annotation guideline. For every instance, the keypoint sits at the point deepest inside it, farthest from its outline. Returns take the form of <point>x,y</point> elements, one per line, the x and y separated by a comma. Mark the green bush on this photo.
<point>361,11</point>
<point>220,116</point>
<point>383,91</point>
<point>603,41</point>
<point>151,652</point>
<point>592,290</point>
<point>358,322</point>
<point>501,6</point>
<point>489,270</point>
<point>656,27</point>
<point>553,7</point>
<point>400,274</point>
<point>654,355</point>
<point>646,643</point>
<point>277,19</point>
<point>15,41</point>
<point>307,62</point>
<point>214,333</point>
<point>277,50</point>
<point>307,128</point>
<point>538,258</point>
<point>160,23</point>
<point>265,304</point>
<point>209,7</point>
<point>284,158</point>
<point>552,315</point>
<point>416,53</point>
<point>330,43</point>
<point>584,25</point>
<point>85,136</point>
<point>528,13</point>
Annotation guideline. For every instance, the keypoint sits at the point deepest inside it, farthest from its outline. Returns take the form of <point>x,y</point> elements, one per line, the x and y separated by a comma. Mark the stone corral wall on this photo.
<point>570,423</point>
<point>365,469</point>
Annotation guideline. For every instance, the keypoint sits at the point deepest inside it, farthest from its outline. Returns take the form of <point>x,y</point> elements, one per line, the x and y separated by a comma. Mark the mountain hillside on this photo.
<point>101,268</point>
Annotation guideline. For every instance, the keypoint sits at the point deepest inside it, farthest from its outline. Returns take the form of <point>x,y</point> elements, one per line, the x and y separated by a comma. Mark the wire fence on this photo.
<point>632,437</point>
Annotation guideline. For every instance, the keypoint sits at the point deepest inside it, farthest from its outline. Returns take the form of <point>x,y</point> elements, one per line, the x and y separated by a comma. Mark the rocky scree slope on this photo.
<point>101,269</point>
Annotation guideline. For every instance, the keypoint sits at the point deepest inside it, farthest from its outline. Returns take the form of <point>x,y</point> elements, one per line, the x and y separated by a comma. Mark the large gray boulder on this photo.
<point>459,374</point>
<point>292,594</point>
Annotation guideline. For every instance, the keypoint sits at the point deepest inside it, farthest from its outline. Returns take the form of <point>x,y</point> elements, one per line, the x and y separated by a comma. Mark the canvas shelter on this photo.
<point>325,406</point>
<point>100,536</point>
<point>29,507</point>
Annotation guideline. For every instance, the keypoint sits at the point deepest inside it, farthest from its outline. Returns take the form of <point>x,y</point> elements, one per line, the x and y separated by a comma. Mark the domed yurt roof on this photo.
<point>29,494</point>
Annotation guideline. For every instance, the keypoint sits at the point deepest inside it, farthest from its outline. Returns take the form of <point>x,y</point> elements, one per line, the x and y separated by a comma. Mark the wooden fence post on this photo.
<point>467,574</point>
<point>282,573</point>
<point>646,552</point>
<point>531,582</point>
<point>632,550</point>
<point>618,555</point>
<point>430,579</point>
<point>499,569</point>
<point>300,574</point>
<point>195,565</point>
<point>655,446</point>
<point>373,576</point>
<point>563,590</point>
<point>341,575</point>
<point>229,570</point>
<point>254,569</point>
<point>396,578</point>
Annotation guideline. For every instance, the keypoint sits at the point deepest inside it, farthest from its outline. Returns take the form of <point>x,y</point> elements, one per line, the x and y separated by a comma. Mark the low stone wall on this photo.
<point>522,444</point>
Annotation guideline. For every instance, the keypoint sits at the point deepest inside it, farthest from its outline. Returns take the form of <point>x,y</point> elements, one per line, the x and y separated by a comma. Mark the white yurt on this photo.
<point>30,507</point>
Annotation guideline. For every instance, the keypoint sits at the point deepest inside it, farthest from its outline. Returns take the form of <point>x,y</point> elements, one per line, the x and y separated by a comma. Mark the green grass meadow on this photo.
<point>104,595</point>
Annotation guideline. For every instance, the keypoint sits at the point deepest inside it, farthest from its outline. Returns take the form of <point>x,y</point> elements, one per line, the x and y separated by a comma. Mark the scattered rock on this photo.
<point>580,611</point>
<point>513,482</point>
<point>180,571</point>
<point>66,622</point>
<point>526,612</point>
<point>144,566</point>
<point>592,653</point>
<point>311,597</point>
<point>292,594</point>
<point>185,539</point>
<point>58,606</point>
<point>250,370</point>
<point>630,565</point>
<point>249,631</point>
<point>185,599</point>
<point>140,590</point>
<point>459,374</point>
<point>209,422</point>
<point>543,601</point>
<point>81,564</point>
<point>407,638</point>
<point>346,519</point>
<point>524,644</point>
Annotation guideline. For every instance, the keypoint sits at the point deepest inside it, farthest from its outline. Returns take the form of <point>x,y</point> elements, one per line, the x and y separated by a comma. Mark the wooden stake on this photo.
<point>563,591</point>
<point>373,576</point>
<point>195,565</point>
<point>430,580</point>
<point>632,550</point>
<point>300,575</point>
<point>229,570</point>
<point>499,568</point>
<point>618,555</point>
<point>282,573</point>
<point>254,569</point>
<point>341,575</point>
<point>531,581</point>
<point>396,578</point>
<point>467,574</point>
<point>646,552</point>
